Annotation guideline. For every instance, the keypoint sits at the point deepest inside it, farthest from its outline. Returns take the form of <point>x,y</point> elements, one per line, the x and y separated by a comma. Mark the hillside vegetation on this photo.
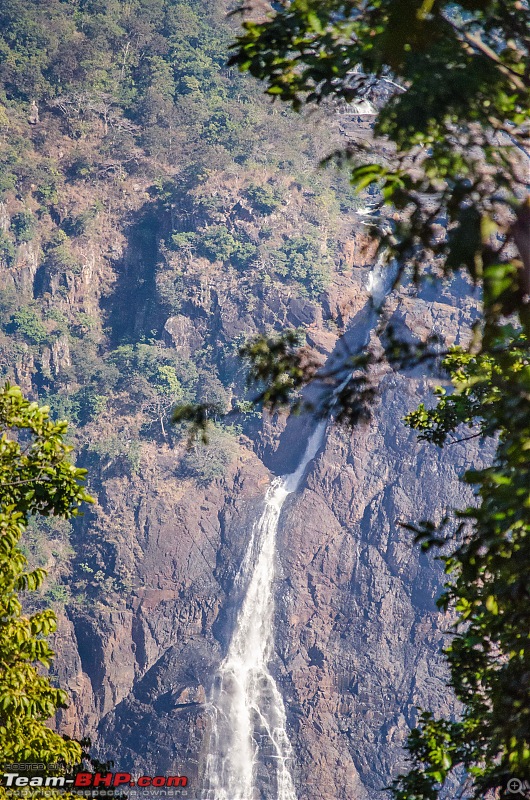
<point>155,210</point>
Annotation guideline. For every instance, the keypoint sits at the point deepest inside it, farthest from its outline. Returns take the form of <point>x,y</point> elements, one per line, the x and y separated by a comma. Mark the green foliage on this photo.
<point>111,447</point>
<point>89,403</point>
<point>457,114</point>
<point>58,594</point>
<point>58,255</point>
<point>27,322</point>
<point>248,409</point>
<point>81,167</point>
<point>46,482</point>
<point>185,242</point>
<point>460,69</point>
<point>211,391</point>
<point>489,657</point>
<point>85,325</point>
<point>23,226</point>
<point>116,448</point>
<point>217,244</point>
<point>300,260</point>
<point>156,366</point>
<point>167,382</point>
<point>46,180</point>
<point>64,406</point>
<point>277,367</point>
<point>264,199</point>
<point>81,224</point>
<point>7,249</point>
<point>480,381</point>
<point>7,181</point>
<point>154,381</point>
<point>243,254</point>
<point>169,289</point>
<point>208,462</point>
<point>35,478</point>
<point>151,61</point>
<point>44,536</point>
<point>134,456</point>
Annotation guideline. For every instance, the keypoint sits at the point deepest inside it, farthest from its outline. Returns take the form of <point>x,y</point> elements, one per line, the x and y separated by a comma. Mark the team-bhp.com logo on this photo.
<point>93,780</point>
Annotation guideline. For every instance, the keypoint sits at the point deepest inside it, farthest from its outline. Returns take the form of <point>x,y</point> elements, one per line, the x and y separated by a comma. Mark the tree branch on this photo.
<point>476,43</point>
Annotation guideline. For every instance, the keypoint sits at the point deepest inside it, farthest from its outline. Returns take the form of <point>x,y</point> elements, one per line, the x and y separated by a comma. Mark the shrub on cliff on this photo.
<point>7,249</point>
<point>208,462</point>
<point>264,199</point>
<point>59,258</point>
<point>300,259</point>
<point>27,323</point>
<point>23,226</point>
<point>217,243</point>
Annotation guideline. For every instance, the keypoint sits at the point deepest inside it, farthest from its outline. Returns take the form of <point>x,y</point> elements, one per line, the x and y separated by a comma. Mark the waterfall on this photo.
<point>250,755</point>
<point>249,730</point>
<point>380,280</point>
<point>375,285</point>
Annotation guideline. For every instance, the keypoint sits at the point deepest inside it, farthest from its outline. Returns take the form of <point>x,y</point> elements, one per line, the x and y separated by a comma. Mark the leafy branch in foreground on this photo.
<point>346,386</point>
<point>456,167</point>
<point>280,367</point>
<point>457,120</point>
<point>36,477</point>
<point>488,592</point>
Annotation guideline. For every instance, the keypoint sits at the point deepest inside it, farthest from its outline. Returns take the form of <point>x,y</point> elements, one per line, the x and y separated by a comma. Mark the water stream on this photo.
<point>248,715</point>
<point>250,756</point>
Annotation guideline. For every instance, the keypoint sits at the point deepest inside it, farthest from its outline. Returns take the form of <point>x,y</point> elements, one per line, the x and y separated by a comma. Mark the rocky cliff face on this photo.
<point>358,635</point>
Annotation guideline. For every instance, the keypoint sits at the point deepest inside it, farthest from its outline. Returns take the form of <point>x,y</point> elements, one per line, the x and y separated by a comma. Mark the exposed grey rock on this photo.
<point>4,218</point>
<point>359,637</point>
<point>33,116</point>
<point>181,333</point>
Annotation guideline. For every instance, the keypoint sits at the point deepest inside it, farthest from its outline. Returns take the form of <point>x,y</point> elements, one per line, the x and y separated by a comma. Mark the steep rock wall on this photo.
<point>358,635</point>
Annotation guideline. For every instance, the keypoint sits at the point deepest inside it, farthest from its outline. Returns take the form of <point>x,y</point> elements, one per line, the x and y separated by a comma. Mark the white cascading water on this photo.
<point>376,287</point>
<point>380,280</point>
<point>248,714</point>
